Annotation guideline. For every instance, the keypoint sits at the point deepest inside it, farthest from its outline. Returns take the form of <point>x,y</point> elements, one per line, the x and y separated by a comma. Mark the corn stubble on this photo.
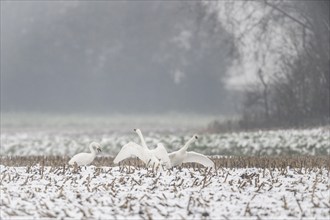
<point>46,187</point>
<point>224,162</point>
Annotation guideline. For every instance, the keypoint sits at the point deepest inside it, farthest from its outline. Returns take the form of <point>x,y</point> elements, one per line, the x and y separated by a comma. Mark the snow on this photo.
<point>138,193</point>
<point>274,142</point>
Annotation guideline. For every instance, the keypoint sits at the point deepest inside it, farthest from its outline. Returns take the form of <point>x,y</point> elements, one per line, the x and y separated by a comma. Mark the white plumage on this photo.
<point>182,156</point>
<point>161,153</point>
<point>86,158</point>
<point>149,157</point>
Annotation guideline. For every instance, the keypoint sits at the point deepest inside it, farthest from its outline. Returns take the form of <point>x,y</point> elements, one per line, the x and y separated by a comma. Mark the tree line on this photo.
<point>284,45</point>
<point>297,95</point>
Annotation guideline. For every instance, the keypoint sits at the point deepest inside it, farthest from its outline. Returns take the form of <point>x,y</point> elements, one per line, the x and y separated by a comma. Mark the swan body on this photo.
<point>86,158</point>
<point>160,151</point>
<point>182,156</point>
<point>150,157</point>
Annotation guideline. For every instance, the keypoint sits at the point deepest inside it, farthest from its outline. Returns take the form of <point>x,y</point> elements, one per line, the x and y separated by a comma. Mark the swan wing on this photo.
<point>161,153</point>
<point>193,157</point>
<point>130,149</point>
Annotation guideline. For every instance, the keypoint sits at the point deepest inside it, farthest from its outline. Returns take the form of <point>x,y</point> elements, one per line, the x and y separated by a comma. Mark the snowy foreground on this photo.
<point>138,193</point>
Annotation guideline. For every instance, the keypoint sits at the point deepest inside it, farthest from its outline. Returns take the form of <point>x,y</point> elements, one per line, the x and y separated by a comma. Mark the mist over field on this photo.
<point>112,57</point>
<point>264,62</point>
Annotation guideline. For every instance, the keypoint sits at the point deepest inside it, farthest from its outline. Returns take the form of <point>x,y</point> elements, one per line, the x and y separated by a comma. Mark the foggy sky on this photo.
<point>113,57</point>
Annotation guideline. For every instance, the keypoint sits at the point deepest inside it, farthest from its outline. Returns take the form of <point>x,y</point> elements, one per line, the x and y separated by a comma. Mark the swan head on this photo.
<point>137,130</point>
<point>96,146</point>
<point>195,136</point>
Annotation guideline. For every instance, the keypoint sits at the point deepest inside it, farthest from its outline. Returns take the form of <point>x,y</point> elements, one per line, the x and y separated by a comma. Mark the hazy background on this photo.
<point>265,62</point>
<point>112,57</point>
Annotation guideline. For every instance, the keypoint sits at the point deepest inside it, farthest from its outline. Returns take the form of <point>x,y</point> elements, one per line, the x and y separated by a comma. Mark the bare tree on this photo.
<point>293,84</point>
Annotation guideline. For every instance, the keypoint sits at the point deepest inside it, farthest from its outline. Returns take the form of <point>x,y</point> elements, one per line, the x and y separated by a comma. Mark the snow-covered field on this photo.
<point>70,141</point>
<point>107,192</point>
<point>138,193</point>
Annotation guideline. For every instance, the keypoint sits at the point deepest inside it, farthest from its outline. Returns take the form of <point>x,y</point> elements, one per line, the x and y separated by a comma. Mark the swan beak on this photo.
<point>99,149</point>
<point>196,137</point>
<point>134,129</point>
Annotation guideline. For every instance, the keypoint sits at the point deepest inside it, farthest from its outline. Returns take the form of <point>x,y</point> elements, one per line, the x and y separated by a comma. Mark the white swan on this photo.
<point>148,156</point>
<point>86,158</point>
<point>182,156</point>
<point>160,151</point>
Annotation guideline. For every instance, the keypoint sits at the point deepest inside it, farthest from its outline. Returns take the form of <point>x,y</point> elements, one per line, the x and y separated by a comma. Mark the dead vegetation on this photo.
<point>132,191</point>
<point>297,162</point>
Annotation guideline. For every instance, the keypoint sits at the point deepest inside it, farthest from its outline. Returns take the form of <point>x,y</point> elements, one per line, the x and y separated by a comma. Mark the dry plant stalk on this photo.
<point>270,162</point>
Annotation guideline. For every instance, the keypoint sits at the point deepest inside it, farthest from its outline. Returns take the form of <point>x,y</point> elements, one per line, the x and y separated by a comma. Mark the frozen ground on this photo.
<point>70,141</point>
<point>129,193</point>
<point>136,193</point>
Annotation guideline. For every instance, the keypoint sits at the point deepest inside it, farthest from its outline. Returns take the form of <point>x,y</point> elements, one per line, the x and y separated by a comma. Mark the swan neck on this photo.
<point>92,149</point>
<point>185,147</point>
<point>142,140</point>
